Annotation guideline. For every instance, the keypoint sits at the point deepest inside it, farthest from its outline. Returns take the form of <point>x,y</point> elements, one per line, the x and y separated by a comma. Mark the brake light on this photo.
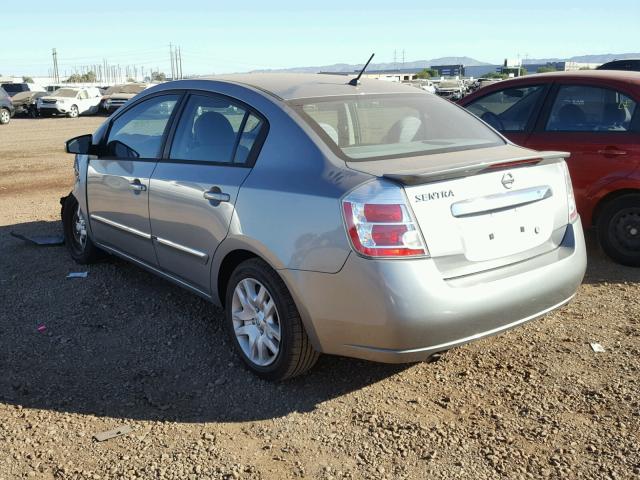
<point>380,223</point>
<point>571,200</point>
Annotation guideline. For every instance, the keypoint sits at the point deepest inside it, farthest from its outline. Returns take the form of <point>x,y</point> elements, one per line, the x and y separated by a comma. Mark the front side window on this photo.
<point>508,110</point>
<point>83,95</point>
<point>213,129</point>
<point>138,132</point>
<point>579,108</point>
<point>368,127</point>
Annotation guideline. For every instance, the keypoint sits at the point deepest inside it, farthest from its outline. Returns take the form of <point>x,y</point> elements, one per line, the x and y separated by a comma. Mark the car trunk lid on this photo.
<point>485,209</point>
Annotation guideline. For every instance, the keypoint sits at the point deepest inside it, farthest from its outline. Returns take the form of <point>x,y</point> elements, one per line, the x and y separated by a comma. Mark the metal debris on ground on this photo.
<point>596,347</point>
<point>40,240</point>
<point>109,434</point>
<point>78,275</point>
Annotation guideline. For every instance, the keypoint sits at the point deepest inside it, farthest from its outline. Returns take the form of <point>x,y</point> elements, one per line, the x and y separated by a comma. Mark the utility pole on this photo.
<point>173,72</point>
<point>403,58</point>
<point>56,74</point>
<point>180,62</point>
<point>395,59</point>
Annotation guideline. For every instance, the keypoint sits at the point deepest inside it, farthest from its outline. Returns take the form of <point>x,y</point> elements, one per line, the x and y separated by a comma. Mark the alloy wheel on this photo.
<point>79,230</point>
<point>256,323</point>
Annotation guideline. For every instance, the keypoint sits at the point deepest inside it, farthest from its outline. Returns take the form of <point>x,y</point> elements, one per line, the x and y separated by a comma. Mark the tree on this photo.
<point>158,77</point>
<point>131,80</point>
<point>27,79</point>
<point>499,75</point>
<point>427,73</point>
<point>546,69</point>
<point>89,77</point>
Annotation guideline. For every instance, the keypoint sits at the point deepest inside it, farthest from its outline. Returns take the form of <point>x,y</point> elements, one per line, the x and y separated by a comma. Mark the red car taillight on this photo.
<point>571,201</point>
<point>380,222</point>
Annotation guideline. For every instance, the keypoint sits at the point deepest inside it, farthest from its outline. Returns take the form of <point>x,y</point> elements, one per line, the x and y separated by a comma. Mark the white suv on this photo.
<point>70,101</point>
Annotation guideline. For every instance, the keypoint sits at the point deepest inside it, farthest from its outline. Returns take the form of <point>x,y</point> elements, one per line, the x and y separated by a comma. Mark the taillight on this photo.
<point>571,200</point>
<point>380,222</point>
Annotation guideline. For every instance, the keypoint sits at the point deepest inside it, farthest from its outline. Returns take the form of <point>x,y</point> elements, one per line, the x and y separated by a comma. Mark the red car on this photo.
<point>595,115</point>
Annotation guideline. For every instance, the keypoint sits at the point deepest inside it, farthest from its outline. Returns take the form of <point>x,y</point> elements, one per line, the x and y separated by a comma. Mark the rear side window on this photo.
<point>508,110</point>
<point>580,108</point>
<point>214,129</point>
<point>138,132</point>
<point>368,127</point>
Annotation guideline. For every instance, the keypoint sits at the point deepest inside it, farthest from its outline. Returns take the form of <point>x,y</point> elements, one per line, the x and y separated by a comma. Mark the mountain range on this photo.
<point>466,61</point>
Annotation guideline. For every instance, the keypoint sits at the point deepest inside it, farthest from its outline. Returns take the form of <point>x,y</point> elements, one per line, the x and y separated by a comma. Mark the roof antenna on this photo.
<point>356,81</point>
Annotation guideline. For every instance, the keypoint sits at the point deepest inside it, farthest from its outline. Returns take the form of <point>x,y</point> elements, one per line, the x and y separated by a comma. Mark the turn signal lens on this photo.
<point>380,223</point>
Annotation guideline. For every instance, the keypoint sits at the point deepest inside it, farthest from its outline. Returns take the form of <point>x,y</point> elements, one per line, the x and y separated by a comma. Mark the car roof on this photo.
<point>290,86</point>
<point>615,75</point>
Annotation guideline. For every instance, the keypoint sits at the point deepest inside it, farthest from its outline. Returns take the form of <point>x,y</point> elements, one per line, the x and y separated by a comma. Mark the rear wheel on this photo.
<point>619,229</point>
<point>73,112</point>
<point>76,238</point>
<point>264,324</point>
<point>5,116</point>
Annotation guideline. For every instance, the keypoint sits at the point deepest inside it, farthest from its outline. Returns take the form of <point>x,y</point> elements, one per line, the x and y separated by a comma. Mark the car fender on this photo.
<point>607,186</point>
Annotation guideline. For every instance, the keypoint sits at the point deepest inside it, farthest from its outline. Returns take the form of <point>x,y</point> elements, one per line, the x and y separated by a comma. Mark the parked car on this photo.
<point>14,88</point>
<point>115,97</point>
<point>71,102</point>
<point>450,89</point>
<point>26,102</point>
<point>595,116</point>
<point>630,64</point>
<point>375,221</point>
<point>6,107</point>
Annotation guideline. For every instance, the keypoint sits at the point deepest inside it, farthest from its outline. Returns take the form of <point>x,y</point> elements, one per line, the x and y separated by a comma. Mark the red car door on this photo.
<point>593,123</point>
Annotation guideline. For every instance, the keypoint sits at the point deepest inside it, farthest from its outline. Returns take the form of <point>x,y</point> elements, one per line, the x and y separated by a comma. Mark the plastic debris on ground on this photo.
<point>116,432</point>
<point>78,275</point>
<point>40,240</point>
<point>596,347</point>
<point>41,328</point>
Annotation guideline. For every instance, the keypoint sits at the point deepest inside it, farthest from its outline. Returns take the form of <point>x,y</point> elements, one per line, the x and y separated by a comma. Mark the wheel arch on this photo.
<point>609,197</point>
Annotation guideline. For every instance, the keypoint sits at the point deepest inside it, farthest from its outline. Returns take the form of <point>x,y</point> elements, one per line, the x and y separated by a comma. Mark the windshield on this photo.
<point>388,126</point>
<point>65,92</point>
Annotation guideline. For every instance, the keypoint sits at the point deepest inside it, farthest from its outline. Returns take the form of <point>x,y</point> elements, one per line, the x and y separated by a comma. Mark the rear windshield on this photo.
<point>369,127</point>
<point>15,87</point>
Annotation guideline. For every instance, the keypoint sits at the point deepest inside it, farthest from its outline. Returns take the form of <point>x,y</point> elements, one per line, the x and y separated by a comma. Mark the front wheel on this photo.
<point>264,324</point>
<point>76,238</point>
<point>619,229</point>
<point>73,112</point>
<point>5,116</point>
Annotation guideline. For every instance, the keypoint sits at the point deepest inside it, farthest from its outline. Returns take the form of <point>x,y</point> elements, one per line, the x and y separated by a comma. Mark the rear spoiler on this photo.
<point>467,170</point>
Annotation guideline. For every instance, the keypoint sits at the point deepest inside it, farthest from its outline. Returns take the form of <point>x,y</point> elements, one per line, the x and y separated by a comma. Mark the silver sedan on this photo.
<point>370,220</point>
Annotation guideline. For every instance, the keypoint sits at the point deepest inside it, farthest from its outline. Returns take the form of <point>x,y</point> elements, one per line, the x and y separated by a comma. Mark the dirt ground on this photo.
<point>124,348</point>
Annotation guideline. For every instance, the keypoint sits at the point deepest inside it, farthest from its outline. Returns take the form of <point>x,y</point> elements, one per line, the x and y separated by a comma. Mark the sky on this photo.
<point>236,36</point>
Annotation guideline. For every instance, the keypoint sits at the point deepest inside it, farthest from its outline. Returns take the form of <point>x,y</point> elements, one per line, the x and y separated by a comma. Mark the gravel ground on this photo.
<point>123,348</point>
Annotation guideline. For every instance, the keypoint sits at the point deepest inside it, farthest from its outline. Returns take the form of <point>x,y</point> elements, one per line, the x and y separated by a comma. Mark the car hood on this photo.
<point>122,96</point>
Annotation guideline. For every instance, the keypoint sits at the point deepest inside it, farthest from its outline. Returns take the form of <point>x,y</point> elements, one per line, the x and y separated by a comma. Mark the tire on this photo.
<point>80,246</point>
<point>294,353</point>
<point>73,112</point>
<point>5,116</point>
<point>619,229</point>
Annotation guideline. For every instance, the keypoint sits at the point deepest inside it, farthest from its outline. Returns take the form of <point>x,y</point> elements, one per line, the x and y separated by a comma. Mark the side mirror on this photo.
<point>81,145</point>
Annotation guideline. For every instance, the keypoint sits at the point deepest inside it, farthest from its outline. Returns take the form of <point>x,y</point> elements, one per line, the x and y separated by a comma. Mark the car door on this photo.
<point>512,110</point>
<point>594,123</point>
<point>193,190</point>
<point>82,99</point>
<point>118,179</point>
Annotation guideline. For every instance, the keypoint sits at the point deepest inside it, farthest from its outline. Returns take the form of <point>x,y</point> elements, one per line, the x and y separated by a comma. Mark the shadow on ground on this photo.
<point>124,343</point>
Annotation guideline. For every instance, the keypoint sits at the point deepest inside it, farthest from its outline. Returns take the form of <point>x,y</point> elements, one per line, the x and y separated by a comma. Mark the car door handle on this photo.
<point>137,186</point>
<point>216,195</point>
<point>612,151</point>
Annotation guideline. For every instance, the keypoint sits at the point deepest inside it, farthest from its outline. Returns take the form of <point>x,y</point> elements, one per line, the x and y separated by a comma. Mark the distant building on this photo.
<point>449,70</point>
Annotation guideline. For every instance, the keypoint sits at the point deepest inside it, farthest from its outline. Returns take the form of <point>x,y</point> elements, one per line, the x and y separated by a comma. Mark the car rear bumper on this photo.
<point>404,311</point>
